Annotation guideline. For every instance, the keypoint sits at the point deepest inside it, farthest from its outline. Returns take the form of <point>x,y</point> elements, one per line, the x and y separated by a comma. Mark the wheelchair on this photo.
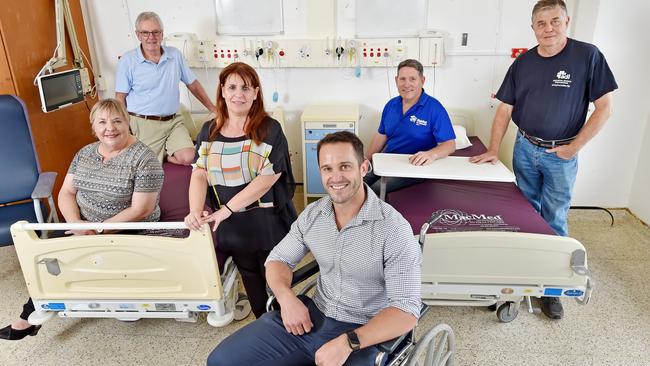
<point>435,348</point>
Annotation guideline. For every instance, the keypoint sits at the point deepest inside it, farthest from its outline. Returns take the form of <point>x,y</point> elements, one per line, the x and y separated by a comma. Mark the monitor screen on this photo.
<point>60,89</point>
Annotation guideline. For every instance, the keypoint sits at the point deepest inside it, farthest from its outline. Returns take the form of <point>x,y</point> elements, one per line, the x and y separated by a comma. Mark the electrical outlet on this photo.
<point>202,52</point>
<point>100,83</point>
<point>85,81</point>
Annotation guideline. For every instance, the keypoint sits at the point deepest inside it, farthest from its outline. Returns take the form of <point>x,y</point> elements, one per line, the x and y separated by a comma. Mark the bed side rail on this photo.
<point>24,226</point>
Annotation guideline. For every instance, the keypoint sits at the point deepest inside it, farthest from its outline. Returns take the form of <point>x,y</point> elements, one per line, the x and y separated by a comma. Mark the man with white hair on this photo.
<point>147,80</point>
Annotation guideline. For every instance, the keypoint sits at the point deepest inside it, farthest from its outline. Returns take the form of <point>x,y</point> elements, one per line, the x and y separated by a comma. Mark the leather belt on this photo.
<point>154,118</point>
<point>545,143</point>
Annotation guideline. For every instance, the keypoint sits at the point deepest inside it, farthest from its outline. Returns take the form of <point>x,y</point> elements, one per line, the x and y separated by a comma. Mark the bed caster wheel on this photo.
<point>128,320</point>
<point>220,321</point>
<point>242,307</point>
<point>507,312</point>
<point>40,317</point>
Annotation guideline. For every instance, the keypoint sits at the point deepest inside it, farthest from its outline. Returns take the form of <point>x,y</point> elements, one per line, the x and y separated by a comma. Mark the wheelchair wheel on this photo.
<point>437,347</point>
<point>508,311</point>
<point>242,307</point>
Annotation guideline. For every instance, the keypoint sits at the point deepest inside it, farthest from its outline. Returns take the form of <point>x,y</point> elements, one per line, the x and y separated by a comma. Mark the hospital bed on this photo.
<point>484,244</point>
<point>125,276</point>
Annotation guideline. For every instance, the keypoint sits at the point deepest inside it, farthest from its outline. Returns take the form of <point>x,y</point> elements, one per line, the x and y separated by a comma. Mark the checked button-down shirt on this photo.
<point>370,264</point>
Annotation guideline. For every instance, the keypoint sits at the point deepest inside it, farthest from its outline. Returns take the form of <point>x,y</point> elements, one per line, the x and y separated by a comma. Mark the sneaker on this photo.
<point>552,307</point>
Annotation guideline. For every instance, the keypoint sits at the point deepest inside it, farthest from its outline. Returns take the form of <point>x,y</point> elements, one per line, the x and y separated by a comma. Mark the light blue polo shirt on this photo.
<point>152,89</point>
<point>421,128</point>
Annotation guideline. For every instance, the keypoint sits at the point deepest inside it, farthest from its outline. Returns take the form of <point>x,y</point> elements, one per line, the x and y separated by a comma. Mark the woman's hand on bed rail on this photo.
<point>218,216</point>
<point>487,157</point>
<point>81,232</point>
<point>194,220</point>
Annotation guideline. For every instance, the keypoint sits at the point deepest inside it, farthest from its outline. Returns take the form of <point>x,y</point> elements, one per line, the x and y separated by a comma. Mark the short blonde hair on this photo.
<point>111,105</point>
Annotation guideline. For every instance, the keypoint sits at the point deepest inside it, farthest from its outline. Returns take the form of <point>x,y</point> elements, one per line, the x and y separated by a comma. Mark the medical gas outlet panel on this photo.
<point>305,53</point>
<point>317,121</point>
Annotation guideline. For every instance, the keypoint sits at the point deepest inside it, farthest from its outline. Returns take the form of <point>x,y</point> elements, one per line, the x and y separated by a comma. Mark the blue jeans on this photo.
<point>546,180</point>
<point>266,342</point>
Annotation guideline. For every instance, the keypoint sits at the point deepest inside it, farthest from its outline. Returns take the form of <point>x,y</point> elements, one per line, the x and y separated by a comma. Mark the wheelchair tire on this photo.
<point>242,307</point>
<point>437,346</point>
<point>508,312</point>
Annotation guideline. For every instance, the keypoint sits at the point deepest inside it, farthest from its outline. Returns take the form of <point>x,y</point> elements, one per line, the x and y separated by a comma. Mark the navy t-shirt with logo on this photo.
<point>421,128</point>
<point>551,95</point>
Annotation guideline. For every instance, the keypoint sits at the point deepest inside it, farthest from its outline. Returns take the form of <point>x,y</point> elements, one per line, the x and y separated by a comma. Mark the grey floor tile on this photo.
<point>532,357</point>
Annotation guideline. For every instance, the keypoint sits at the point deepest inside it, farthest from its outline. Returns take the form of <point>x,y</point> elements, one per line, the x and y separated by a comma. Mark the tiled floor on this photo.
<point>614,329</point>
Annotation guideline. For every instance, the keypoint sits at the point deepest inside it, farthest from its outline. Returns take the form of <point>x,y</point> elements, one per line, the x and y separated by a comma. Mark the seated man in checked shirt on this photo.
<point>368,290</point>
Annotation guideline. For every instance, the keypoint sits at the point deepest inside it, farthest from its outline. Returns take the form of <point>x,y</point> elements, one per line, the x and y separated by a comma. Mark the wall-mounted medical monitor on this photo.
<point>60,89</point>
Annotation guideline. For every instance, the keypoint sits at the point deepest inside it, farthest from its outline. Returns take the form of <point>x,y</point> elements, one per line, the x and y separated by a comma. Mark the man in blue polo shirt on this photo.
<point>546,92</point>
<point>412,123</point>
<point>146,81</point>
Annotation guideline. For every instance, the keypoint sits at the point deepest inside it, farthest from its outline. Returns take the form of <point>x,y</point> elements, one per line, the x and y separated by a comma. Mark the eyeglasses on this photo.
<point>147,34</point>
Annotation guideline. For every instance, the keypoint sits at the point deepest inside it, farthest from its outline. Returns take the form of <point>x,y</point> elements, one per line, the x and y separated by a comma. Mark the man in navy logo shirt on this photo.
<point>546,93</point>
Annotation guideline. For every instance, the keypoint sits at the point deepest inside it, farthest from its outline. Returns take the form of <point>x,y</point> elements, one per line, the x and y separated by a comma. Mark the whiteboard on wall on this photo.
<point>250,17</point>
<point>389,18</point>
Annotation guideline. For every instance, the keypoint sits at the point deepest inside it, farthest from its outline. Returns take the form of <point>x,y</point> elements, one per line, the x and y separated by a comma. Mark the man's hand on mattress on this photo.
<point>194,220</point>
<point>423,158</point>
<point>295,316</point>
<point>334,352</point>
<point>487,157</point>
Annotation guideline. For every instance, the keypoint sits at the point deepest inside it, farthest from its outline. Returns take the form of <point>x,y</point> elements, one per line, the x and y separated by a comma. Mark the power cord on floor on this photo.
<point>595,208</point>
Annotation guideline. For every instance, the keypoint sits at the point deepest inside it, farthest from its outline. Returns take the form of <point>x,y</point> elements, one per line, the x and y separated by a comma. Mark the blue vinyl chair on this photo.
<point>24,187</point>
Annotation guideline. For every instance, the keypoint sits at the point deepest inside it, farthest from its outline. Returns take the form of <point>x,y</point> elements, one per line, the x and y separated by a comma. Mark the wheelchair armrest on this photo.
<point>300,275</point>
<point>390,346</point>
<point>304,272</point>
<point>44,185</point>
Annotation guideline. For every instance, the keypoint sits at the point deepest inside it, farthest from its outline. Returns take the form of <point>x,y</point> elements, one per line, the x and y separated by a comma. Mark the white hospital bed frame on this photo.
<point>126,277</point>
<point>489,267</point>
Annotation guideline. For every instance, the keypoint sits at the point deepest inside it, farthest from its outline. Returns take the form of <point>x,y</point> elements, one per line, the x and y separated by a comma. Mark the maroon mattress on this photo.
<point>468,206</point>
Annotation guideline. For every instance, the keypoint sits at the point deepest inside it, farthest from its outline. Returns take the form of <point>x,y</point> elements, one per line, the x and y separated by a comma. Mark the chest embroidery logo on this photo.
<point>562,80</point>
<point>417,121</point>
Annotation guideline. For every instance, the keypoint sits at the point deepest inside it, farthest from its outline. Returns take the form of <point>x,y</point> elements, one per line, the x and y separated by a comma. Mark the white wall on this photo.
<point>608,162</point>
<point>640,198</point>
<point>466,81</point>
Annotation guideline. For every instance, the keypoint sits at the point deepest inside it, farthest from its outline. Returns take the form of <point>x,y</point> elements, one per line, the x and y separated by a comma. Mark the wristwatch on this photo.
<point>353,340</point>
